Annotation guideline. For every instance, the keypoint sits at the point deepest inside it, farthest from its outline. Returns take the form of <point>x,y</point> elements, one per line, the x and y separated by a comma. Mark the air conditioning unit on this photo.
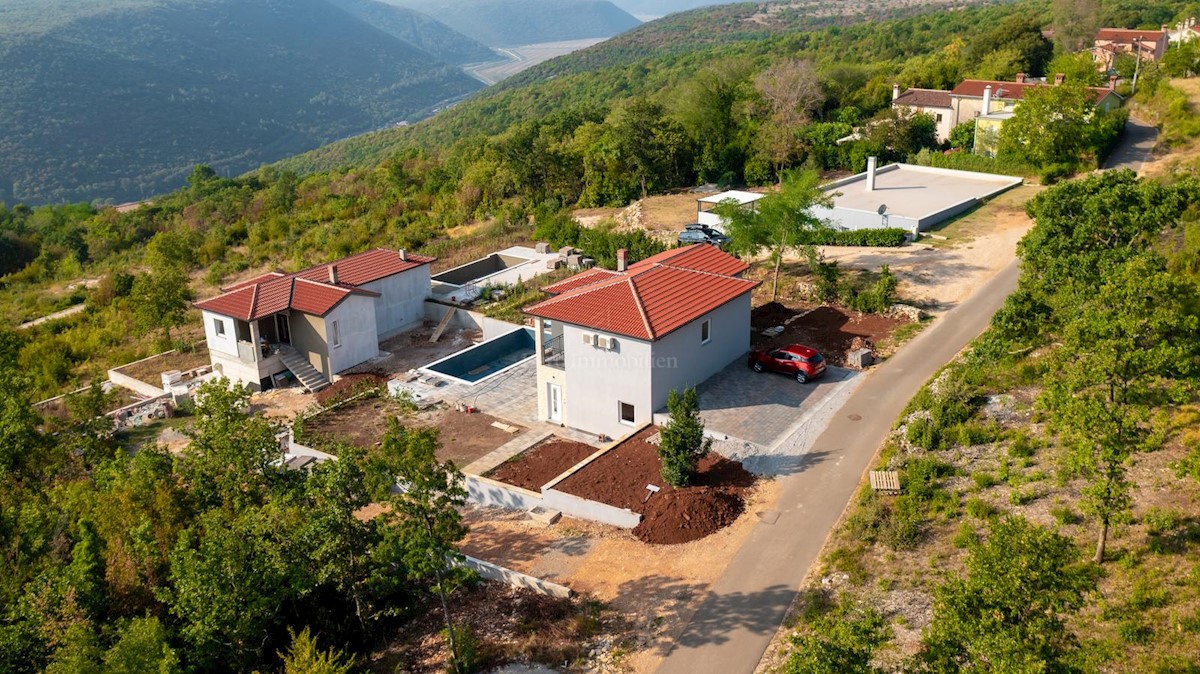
<point>605,342</point>
<point>589,338</point>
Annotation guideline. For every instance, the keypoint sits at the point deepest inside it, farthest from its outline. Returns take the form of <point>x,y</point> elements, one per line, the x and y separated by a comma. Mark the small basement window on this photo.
<point>219,327</point>
<point>706,331</point>
<point>627,413</point>
<point>335,335</point>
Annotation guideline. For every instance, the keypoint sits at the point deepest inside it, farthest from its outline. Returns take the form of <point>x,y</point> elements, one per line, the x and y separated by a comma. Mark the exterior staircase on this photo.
<point>309,377</point>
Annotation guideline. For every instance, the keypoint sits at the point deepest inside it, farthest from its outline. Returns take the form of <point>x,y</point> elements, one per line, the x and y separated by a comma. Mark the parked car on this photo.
<point>799,361</point>
<point>702,234</point>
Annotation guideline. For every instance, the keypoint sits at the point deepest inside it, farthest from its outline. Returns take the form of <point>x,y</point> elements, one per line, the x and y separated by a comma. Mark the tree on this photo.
<point>1007,614</point>
<point>791,91</point>
<point>1075,23</point>
<point>901,132</point>
<point>142,647</point>
<point>229,459</point>
<point>708,109</point>
<point>305,657</point>
<point>160,299</point>
<point>423,524</point>
<point>781,220</point>
<point>682,444</point>
<point>1051,125</point>
<point>1077,68</point>
<point>962,136</point>
<point>1123,353</point>
<point>648,142</point>
<point>1019,39</point>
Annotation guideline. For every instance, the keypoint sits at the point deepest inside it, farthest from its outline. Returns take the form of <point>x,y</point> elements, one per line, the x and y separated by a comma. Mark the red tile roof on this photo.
<point>1125,35</point>
<point>924,98</point>
<point>309,290</point>
<point>654,297</point>
<point>1013,91</point>
<point>581,279</point>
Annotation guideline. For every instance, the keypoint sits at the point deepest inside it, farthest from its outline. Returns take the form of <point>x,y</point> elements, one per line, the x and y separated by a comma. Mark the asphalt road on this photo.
<point>1135,146</point>
<point>742,611</point>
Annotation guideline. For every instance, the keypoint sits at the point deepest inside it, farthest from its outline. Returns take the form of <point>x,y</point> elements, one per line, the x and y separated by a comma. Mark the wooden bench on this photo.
<point>886,481</point>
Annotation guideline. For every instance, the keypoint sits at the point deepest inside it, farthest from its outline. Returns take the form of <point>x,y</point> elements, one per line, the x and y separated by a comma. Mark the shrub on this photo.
<point>983,479</point>
<point>890,237</point>
<point>1134,631</point>
<point>849,560</point>
<point>1146,595</point>
<point>965,536</point>
<point>1022,446</point>
<point>1064,515</point>
<point>1160,521</point>
<point>683,443</point>
<point>980,509</point>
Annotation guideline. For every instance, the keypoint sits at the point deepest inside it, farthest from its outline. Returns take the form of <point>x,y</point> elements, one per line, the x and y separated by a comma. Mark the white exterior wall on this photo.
<point>359,339</point>
<point>401,304</point>
<point>597,380</point>
<point>226,344</point>
<point>681,360</point>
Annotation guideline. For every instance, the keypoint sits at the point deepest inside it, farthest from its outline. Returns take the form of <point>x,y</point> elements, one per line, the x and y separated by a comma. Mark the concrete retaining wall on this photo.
<point>569,504</point>
<point>465,319</point>
<point>516,578</point>
<point>142,412</point>
<point>136,385</point>
<point>488,492</point>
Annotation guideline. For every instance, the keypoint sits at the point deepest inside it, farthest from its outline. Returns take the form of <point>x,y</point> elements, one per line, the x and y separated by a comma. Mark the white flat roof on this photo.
<point>739,196</point>
<point>916,191</point>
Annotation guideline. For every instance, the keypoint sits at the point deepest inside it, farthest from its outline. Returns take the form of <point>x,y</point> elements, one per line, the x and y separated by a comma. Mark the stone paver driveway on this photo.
<point>761,408</point>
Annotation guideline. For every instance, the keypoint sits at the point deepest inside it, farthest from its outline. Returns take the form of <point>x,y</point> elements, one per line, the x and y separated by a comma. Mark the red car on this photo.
<point>801,362</point>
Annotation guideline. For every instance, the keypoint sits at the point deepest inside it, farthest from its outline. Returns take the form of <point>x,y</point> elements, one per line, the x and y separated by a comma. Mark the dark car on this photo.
<point>702,234</point>
<point>796,360</point>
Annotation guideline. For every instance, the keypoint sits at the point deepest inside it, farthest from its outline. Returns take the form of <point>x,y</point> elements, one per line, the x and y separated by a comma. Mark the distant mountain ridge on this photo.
<point>512,23</point>
<point>117,99</point>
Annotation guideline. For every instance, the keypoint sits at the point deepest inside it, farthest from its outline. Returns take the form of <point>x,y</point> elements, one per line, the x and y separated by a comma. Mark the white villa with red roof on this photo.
<point>612,344</point>
<point>316,322</point>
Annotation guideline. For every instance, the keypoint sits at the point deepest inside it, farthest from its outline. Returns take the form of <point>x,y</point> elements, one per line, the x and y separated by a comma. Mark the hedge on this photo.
<point>890,237</point>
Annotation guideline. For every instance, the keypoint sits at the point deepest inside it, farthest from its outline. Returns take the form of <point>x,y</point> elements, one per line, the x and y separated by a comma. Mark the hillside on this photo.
<point>657,8</point>
<point>511,23</point>
<point>119,101</point>
<point>419,30</point>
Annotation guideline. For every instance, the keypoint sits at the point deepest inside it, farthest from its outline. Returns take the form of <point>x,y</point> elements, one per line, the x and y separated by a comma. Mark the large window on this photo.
<point>219,327</point>
<point>627,413</point>
<point>705,331</point>
<point>335,335</point>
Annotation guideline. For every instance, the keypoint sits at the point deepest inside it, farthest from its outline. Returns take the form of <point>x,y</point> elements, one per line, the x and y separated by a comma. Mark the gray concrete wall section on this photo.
<point>401,302</point>
<point>516,578</point>
<point>598,380</point>
<point>569,504</point>
<point>488,492</point>
<point>358,338</point>
<point>682,360</point>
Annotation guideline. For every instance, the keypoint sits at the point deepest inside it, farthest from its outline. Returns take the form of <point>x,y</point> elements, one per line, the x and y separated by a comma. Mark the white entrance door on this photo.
<point>555,402</point>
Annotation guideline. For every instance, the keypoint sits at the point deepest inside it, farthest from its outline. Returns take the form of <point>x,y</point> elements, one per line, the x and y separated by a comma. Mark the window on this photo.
<point>219,327</point>
<point>627,414</point>
<point>706,331</point>
<point>939,118</point>
<point>335,336</point>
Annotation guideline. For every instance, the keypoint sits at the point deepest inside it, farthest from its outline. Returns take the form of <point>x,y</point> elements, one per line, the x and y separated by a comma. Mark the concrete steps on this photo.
<point>309,377</point>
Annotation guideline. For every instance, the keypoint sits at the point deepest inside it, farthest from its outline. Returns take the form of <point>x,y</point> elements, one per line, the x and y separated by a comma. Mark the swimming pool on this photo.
<point>487,359</point>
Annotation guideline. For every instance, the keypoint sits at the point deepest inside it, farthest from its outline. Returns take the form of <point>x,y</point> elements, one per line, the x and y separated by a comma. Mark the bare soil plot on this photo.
<point>464,437</point>
<point>150,371</point>
<point>541,463</point>
<point>620,476</point>
<point>828,329</point>
<point>509,625</point>
<point>411,350</point>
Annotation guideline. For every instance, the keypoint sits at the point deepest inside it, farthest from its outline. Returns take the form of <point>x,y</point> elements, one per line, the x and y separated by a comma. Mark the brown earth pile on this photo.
<point>670,516</point>
<point>541,463</point>
<point>828,329</point>
<point>348,386</point>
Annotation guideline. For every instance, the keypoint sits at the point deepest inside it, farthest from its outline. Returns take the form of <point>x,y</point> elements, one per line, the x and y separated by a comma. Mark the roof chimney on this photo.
<point>333,275</point>
<point>1058,78</point>
<point>987,99</point>
<point>403,255</point>
<point>895,91</point>
<point>1020,78</point>
<point>871,163</point>
<point>1112,82</point>
<point>622,259</point>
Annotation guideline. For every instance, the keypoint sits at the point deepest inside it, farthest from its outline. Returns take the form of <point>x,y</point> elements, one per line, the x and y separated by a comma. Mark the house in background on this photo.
<point>1150,45</point>
<point>611,345</point>
<point>316,322</point>
<point>1185,31</point>
<point>933,102</point>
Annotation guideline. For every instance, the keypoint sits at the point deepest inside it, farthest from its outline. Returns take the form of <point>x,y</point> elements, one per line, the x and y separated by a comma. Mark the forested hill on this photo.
<point>511,23</point>
<point>419,30</point>
<point>118,100</point>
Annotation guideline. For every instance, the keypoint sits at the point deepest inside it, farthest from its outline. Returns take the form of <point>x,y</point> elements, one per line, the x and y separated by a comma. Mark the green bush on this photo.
<point>983,479</point>
<point>1161,521</point>
<point>905,523</point>
<point>890,237</point>
<point>965,536</point>
<point>1146,595</point>
<point>1064,515</point>
<point>1134,631</point>
<point>980,509</point>
<point>1022,446</point>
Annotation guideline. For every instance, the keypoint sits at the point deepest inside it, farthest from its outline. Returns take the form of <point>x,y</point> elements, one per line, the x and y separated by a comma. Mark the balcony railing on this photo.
<point>552,353</point>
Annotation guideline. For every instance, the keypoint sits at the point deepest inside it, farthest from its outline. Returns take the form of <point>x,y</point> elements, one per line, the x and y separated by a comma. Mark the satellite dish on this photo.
<point>882,209</point>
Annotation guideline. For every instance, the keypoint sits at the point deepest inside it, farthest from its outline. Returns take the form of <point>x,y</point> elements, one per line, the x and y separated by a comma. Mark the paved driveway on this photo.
<point>1135,146</point>
<point>754,416</point>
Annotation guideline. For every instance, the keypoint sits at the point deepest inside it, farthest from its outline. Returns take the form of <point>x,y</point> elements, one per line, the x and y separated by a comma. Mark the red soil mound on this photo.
<point>541,463</point>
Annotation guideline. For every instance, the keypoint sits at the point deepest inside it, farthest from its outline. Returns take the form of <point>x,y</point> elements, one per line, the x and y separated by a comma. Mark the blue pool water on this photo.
<point>484,360</point>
